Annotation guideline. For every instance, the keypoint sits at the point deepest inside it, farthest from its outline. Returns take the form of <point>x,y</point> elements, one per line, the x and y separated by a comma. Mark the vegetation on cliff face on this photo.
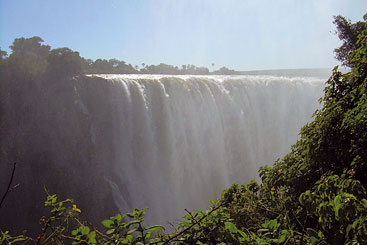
<point>316,194</point>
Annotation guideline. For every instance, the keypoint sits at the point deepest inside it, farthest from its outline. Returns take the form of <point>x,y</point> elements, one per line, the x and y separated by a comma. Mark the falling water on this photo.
<point>179,140</point>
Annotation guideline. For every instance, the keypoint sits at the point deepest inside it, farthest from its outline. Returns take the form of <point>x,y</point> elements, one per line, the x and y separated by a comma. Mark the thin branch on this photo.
<point>173,226</point>
<point>96,230</point>
<point>11,180</point>
<point>303,231</point>
<point>201,227</point>
<point>197,222</point>
<point>73,238</point>
<point>44,229</point>
<point>192,216</point>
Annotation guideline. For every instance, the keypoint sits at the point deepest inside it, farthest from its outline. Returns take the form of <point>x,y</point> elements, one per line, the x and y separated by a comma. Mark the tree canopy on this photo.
<point>64,61</point>
<point>3,54</point>
<point>31,56</point>
<point>348,33</point>
<point>30,45</point>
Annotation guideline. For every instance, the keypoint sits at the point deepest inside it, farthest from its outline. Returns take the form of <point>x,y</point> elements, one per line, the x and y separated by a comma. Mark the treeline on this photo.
<point>31,56</point>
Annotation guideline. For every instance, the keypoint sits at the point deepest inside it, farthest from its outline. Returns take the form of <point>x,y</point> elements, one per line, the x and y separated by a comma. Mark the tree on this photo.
<point>225,71</point>
<point>101,66</point>
<point>348,33</point>
<point>63,62</point>
<point>28,58</point>
<point>30,45</point>
<point>3,54</point>
<point>160,69</point>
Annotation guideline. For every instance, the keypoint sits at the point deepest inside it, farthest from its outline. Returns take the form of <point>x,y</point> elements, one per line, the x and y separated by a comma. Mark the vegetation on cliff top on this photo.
<point>316,194</point>
<point>30,55</point>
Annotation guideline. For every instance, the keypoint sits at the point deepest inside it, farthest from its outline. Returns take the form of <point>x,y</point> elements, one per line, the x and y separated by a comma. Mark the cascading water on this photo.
<point>116,142</point>
<point>180,140</point>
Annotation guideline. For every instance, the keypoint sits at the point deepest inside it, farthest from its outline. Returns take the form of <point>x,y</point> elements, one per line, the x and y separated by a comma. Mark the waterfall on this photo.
<point>117,142</point>
<point>179,140</point>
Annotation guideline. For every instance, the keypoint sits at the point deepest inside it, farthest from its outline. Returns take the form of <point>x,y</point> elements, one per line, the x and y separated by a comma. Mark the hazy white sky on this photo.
<point>240,34</point>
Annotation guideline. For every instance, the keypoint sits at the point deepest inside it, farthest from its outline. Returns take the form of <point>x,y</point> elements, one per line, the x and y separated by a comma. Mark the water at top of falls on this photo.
<point>218,78</point>
<point>180,139</point>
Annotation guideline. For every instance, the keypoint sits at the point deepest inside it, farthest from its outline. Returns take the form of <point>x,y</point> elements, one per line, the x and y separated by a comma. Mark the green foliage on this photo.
<point>316,194</point>
<point>30,59</point>
<point>27,60</point>
<point>3,54</point>
<point>112,66</point>
<point>5,237</point>
<point>347,32</point>
<point>64,62</point>
<point>338,204</point>
<point>123,233</point>
<point>64,226</point>
<point>33,45</point>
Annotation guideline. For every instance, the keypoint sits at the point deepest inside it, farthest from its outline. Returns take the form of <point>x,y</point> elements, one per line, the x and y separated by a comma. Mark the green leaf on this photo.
<point>130,215</point>
<point>282,238</point>
<point>230,227</point>
<point>53,199</point>
<point>199,212</point>
<point>243,234</point>
<point>92,237</point>
<point>84,230</point>
<point>119,241</point>
<point>107,223</point>
<point>147,235</point>
<point>314,239</point>
<point>155,228</point>
<point>187,217</point>
<point>273,223</point>
<point>364,202</point>
<point>110,231</point>
<point>19,239</point>
<point>132,231</point>
<point>118,217</point>
<point>133,222</point>
<point>129,238</point>
<point>359,116</point>
<point>185,224</point>
<point>75,232</point>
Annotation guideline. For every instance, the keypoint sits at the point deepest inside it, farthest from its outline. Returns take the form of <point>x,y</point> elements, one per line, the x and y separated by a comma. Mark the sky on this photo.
<point>239,34</point>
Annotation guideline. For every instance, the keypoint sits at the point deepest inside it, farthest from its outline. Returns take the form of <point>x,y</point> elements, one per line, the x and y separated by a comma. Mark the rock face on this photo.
<point>117,142</point>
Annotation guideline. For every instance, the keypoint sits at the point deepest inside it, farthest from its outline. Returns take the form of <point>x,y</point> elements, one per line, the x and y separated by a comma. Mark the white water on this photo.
<point>179,140</point>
